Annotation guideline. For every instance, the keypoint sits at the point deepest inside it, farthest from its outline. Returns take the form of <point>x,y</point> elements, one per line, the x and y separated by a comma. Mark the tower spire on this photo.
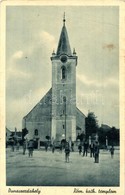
<point>64,20</point>
<point>63,45</point>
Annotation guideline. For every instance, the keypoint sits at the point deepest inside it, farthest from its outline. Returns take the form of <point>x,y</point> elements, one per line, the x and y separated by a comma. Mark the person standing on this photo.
<point>72,146</point>
<point>24,147</point>
<point>85,150</point>
<point>46,146</point>
<point>96,152</point>
<point>31,147</point>
<point>53,148</point>
<point>91,149</point>
<point>80,149</point>
<point>67,152</point>
<point>112,151</point>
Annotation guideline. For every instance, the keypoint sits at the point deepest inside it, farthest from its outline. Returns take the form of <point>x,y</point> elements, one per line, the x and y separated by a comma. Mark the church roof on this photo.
<point>80,112</point>
<point>63,45</point>
<point>42,109</point>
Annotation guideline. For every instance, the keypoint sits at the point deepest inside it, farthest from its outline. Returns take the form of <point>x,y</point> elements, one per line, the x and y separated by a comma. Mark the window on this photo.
<point>63,72</point>
<point>64,98</point>
<point>36,132</point>
<point>63,126</point>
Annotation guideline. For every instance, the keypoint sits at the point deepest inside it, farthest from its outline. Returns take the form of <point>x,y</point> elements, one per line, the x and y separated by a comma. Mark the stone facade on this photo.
<point>80,122</point>
<point>39,118</point>
<point>63,88</point>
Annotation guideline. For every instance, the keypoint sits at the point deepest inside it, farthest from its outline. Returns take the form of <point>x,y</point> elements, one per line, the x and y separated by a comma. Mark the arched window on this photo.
<point>64,99</point>
<point>36,132</point>
<point>63,72</point>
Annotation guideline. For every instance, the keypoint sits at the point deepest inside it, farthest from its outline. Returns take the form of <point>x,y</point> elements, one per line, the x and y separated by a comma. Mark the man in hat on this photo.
<point>96,152</point>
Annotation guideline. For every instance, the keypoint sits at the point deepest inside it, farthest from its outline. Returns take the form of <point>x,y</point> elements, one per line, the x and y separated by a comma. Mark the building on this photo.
<point>56,115</point>
<point>10,135</point>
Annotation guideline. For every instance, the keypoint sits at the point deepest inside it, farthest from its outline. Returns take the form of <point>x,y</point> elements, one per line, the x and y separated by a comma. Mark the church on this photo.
<point>56,115</point>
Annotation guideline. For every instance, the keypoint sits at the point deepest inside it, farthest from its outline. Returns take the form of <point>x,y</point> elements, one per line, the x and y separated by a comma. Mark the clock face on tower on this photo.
<point>63,58</point>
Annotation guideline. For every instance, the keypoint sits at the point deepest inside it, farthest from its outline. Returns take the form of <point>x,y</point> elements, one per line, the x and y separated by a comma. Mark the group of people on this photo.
<point>93,149</point>
<point>30,146</point>
<point>15,145</point>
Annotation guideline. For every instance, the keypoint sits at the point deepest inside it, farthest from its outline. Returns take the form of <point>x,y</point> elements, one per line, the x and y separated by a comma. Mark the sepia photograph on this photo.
<point>62,97</point>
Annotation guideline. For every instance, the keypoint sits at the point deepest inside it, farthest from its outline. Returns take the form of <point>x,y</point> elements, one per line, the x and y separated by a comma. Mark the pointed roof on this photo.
<point>63,45</point>
<point>42,109</point>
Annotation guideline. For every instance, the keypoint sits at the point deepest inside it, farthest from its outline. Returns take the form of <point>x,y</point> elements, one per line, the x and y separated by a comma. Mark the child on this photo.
<point>67,152</point>
<point>80,149</point>
<point>31,147</point>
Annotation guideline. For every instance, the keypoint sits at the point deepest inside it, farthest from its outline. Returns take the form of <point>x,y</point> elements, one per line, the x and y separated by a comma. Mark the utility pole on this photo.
<point>64,99</point>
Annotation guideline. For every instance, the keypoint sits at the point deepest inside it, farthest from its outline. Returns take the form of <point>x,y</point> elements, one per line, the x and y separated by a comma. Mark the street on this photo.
<point>48,169</point>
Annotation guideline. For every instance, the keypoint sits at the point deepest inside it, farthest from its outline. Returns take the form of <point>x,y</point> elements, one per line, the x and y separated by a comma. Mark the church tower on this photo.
<point>63,90</point>
<point>56,115</point>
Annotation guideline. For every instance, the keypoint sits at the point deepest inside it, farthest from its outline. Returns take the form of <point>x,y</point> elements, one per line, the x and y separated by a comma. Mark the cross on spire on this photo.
<point>64,20</point>
<point>63,45</point>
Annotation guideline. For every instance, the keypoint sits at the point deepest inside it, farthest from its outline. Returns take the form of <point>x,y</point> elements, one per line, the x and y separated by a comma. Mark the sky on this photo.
<point>32,32</point>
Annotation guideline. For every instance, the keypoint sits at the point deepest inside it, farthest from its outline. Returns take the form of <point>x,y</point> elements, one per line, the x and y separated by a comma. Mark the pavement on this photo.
<point>48,169</point>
